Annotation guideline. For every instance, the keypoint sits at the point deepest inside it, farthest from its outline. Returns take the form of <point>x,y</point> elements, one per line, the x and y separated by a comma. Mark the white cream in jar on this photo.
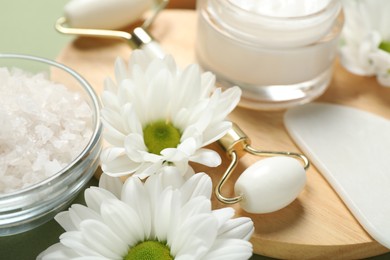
<point>280,52</point>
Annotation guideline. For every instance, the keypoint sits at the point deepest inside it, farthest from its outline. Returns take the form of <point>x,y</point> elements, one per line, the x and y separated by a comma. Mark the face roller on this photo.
<point>269,184</point>
<point>102,18</point>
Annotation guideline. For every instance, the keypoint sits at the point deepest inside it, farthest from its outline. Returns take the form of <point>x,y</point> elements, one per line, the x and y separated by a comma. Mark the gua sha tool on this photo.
<point>269,184</point>
<point>351,149</point>
<point>101,18</point>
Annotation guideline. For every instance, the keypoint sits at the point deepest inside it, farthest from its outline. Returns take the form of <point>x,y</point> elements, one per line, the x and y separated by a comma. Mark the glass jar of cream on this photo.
<point>280,52</point>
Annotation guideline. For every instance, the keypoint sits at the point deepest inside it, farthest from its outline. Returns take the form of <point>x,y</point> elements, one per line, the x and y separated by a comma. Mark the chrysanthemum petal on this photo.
<point>215,132</point>
<point>78,213</point>
<point>192,132</point>
<point>136,196</point>
<point>112,135</point>
<point>171,176</point>
<point>159,95</point>
<point>165,221</point>
<point>230,249</point>
<point>223,215</point>
<point>94,197</point>
<point>195,206</point>
<point>138,58</point>
<point>65,222</point>
<point>200,116</point>
<point>76,242</point>
<point>70,220</point>
<point>110,86</point>
<point>206,157</point>
<point>173,154</point>
<point>198,185</point>
<point>154,188</point>
<point>241,228</point>
<point>208,83</point>
<point>113,118</point>
<point>180,117</point>
<point>103,240</point>
<point>187,172</point>
<point>196,235</point>
<point>112,153</point>
<point>117,165</point>
<point>139,90</point>
<point>121,72</point>
<point>184,168</point>
<point>227,102</point>
<point>170,64</point>
<point>154,67</point>
<point>109,97</point>
<point>126,92</point>
<point>151,157</point>
<point>187,92</point>
<point>132,123</point>
<point>124,221</point>
<point>58,252</point>
<point>134,145</point>
<point>148,169</point>
<point>112,184</point>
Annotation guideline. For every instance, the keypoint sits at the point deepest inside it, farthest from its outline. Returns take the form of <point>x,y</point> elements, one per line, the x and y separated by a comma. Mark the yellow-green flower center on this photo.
<point>385,46</point>
<point>160,135</point>
<point>149,250</point>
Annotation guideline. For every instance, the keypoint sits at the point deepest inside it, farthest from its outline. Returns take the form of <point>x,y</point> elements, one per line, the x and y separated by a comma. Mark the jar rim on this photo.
<point>332,4</point>
<point>255,29</point>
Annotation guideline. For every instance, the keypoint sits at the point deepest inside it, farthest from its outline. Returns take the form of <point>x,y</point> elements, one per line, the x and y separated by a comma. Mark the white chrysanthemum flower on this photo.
<point>365,48</point>
<point>150,221</point>
<point>157,115</point>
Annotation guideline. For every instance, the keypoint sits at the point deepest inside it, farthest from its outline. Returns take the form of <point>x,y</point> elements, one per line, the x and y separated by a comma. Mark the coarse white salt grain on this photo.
<point>43,127</point>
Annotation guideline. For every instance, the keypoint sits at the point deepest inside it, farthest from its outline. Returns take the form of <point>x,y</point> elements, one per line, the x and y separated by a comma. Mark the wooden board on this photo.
<point>315,226</point>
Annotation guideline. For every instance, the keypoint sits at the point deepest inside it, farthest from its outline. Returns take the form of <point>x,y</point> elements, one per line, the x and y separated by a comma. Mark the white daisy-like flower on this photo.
<point>150,221</point>
<point>365,48</point>
<point>157,115</point>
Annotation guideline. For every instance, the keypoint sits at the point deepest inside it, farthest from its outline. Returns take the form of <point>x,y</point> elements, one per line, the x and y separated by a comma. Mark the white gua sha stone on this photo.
<point>269,184</point>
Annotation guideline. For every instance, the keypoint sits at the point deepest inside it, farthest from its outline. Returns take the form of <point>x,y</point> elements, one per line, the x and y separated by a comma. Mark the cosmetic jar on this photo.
<point>279,52</point>
<point>30,206</point>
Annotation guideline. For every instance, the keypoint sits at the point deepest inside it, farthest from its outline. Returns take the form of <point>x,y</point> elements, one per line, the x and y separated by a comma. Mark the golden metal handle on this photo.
<point>226,175</point>
<point>136,39</point>
<point>236,143</point>
<point>61,26</point>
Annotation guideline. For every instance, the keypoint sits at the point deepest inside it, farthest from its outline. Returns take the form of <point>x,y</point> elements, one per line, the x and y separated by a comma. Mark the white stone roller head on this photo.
<point>270,184</point>
<point>104,14</point>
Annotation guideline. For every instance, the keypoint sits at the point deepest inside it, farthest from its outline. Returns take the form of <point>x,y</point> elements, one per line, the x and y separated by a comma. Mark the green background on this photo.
<point>27,27</point>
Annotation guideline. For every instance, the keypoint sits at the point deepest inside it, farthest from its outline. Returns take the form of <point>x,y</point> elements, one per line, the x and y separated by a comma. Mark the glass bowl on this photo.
<point>29,207</point>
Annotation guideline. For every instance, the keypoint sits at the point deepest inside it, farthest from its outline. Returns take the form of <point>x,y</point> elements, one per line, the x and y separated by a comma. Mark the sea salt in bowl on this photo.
<point>50,139</point>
